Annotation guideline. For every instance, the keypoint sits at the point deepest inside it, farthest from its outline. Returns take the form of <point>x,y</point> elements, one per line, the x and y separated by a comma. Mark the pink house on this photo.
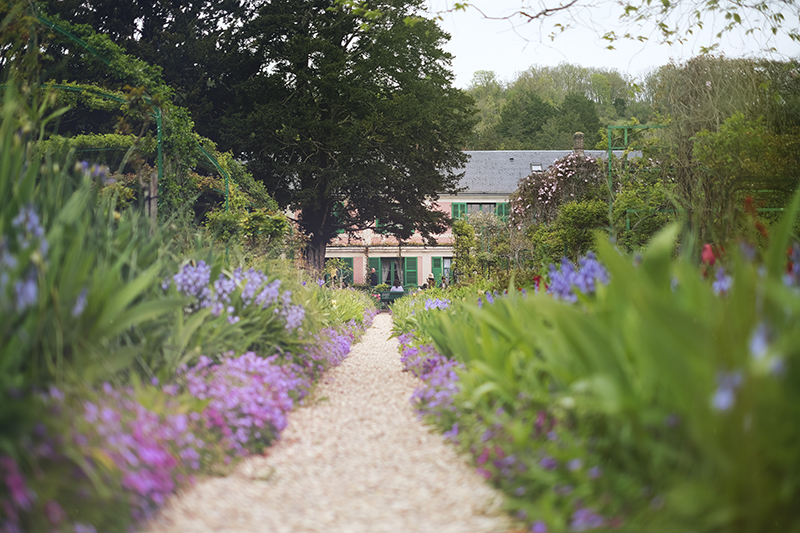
<point>490,177</point>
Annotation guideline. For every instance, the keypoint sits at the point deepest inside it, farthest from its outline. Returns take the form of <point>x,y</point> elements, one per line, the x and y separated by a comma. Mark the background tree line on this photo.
<point>723,156</point>
<point>544,106</point>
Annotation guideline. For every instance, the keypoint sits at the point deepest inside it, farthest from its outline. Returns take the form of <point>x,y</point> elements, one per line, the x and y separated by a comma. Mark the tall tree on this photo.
<point>351,120</point>
<point>522,119</point>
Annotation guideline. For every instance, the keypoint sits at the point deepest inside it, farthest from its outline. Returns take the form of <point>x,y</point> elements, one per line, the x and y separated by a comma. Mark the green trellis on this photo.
<point>156,113</point>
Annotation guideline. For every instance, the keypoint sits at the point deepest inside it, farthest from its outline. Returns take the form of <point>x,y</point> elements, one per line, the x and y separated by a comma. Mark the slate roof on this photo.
<point>499,171</point>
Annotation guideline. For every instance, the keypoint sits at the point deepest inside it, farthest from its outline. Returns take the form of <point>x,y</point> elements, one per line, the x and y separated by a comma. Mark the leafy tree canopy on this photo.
<point>348,122</point>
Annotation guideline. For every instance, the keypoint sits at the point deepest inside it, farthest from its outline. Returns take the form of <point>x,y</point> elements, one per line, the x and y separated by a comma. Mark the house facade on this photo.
<point>490,177</point>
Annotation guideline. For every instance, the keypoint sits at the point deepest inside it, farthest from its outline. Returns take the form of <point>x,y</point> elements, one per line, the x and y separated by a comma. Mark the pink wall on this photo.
<point>358,270</point>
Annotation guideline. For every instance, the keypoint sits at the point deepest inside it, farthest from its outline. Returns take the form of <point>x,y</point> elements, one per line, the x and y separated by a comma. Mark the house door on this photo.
<point>391,270</point>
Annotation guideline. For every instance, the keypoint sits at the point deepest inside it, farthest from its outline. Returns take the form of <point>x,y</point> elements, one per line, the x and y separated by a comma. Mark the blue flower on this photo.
<point>25,293</point>
<point>759,341</point>
<point>725,395</point>
<point>80,303</point>
<point>723,283</point>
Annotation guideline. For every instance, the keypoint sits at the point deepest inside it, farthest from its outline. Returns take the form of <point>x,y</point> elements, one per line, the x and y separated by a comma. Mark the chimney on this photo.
<point>577,140</point>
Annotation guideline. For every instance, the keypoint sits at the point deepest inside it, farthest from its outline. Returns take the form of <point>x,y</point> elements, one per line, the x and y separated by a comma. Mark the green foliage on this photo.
<point>255,228</point>
<point>92,250</point>
<point>735,110</point>
<point>571,234</point>
<point>340,306</point>
<point>677,397</point>
<point>643,202</point>
<point>464,249</point>
<point>544,106</point>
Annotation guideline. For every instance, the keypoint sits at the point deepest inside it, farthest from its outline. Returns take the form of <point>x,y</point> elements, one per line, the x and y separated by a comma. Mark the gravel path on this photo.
<point>354,459</point>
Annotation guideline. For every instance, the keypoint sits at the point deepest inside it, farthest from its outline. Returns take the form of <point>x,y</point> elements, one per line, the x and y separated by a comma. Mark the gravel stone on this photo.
<point>354,459</point>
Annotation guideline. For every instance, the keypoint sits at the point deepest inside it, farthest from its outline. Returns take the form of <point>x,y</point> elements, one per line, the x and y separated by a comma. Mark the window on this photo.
<point>458,210</point>
<point>501,210</point>
<point>389,269</point>
<point>536,167</point>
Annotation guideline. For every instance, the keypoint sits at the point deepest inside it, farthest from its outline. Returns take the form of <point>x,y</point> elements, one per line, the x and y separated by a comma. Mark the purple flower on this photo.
<point>436,303</point>
<point>594,472</point>
<point>723,283</point>
<point>725,395</point>
<point>538,527</point>
<point>586,519</point>
<point>548,463</point>
<point>452,433</point>
<point>80,303</point>
<point>25,293</point>
<point>759,341</point>
<point>574,464</point>
<point>563,280</point>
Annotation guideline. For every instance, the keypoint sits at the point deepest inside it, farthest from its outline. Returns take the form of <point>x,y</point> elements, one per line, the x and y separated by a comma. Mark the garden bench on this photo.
<point>388,297</point>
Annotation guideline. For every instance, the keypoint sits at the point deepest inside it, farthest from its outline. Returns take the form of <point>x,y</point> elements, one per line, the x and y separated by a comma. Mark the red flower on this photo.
<point>708,256</point>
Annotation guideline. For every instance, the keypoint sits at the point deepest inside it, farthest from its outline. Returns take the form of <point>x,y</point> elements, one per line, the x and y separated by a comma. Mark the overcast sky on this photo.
<point>510,46</point>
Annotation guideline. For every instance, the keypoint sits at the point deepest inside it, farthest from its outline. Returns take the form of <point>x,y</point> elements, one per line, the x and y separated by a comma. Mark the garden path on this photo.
<point>354,458</point>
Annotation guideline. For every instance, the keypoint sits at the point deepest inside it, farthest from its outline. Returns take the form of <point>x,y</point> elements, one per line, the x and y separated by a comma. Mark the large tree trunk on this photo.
<point>314,253</point>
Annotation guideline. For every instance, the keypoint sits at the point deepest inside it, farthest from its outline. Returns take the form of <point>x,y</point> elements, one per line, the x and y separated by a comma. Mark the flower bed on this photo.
<point>640,394</point>
<point>130,447</point>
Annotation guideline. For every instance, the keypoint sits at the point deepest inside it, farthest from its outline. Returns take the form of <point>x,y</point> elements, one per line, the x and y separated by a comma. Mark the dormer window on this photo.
<point>536,167</point>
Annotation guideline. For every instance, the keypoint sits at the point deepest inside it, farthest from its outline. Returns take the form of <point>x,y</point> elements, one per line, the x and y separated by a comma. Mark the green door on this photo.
<point>436,269</point>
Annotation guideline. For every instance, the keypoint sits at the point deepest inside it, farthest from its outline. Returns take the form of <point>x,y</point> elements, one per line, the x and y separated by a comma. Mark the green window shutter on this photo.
<point>374,262</point>
<point>501,210</point>
<point>410,268</point>
<point>459,210</point>
<point>436,269</point>
<point>347,275</point>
